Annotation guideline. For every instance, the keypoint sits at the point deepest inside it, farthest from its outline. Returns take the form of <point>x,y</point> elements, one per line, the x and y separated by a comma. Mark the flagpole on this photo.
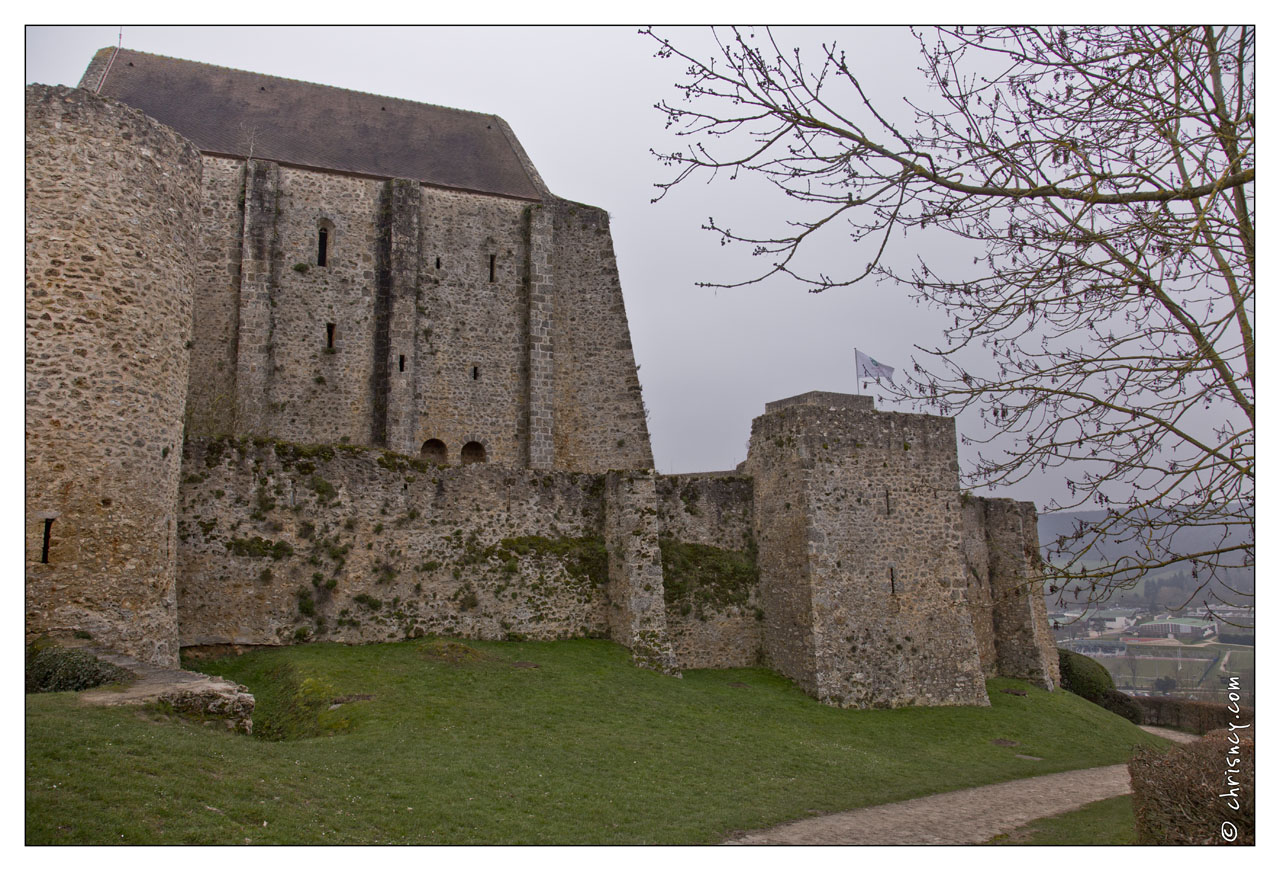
<point>856,389</point>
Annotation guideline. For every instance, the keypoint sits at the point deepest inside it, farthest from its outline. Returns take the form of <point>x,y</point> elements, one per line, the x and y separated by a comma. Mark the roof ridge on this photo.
<point>305,82</point>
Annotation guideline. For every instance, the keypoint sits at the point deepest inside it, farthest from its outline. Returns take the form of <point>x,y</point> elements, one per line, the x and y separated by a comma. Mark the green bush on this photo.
<point>1119,703</point>
<point>1183,795</point>
<point>58,670</point>
<point>1084,677</point>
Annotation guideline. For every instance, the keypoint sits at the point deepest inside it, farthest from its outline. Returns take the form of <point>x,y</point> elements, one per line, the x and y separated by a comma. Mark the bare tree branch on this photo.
<point>1105,177</point>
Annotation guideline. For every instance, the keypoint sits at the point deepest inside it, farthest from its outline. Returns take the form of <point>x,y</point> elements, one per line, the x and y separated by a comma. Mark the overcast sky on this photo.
<point>581,100</point>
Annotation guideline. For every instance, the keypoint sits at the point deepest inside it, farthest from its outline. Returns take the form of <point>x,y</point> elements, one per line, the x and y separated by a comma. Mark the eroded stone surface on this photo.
<point>190,694</point>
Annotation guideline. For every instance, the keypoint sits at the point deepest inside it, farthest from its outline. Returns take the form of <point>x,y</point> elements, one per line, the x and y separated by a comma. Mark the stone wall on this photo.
<point>317,392</point>
<point>858,518</point>
<point>416,326</point>
<point>599,418</point>
<point>282,543</point>
<point>977,578</point>
<point>211,392</point>
<point>112,207</point>
<point>710,577</point>
<point>637,613</point>
<point>367,313</point>
<point>783,553</point>
<point>472,331</point>
<point>1024,646</point>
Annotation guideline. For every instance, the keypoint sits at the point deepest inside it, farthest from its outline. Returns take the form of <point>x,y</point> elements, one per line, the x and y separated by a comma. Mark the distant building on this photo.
<point>1176,627</point>
<point>1112,621</point>
<point>1235,629</point>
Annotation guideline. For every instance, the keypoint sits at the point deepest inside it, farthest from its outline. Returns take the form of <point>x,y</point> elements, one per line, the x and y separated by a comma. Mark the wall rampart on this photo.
<point>211,392</point>
<point>711,581</point>
<point>977,578</point>
<point>282,543</point>
<point>1024,646</point>
<point>112,203</point>
<point>782,533</point>
<point>471,376</point>
<point>405,410</point>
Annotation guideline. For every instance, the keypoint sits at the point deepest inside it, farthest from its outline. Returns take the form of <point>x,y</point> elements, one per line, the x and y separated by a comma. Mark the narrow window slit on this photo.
<point>437,263</point>
<point>44,551</point>
<point>493,261</point>
<point>893,581</point>
<point>402,362</point>
<point>329,328</point>
<point>322,256</point>
<point>475,373</point>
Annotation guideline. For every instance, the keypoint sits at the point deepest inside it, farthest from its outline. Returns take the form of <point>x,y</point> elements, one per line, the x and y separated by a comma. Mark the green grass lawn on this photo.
<point>1109,821</point>
<point>583,749</point>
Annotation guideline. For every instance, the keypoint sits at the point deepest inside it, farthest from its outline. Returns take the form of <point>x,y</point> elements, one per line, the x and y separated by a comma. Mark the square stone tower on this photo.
<point>858,521</point>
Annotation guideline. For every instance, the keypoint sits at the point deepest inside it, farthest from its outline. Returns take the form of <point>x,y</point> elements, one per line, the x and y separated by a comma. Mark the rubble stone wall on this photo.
<point>598,414</point>
<point>1023,642</point>
<point>977,579</point>
<point>710,575</point>
<point>112,202</point>
<point>875,522</point>
<point>282,543</point>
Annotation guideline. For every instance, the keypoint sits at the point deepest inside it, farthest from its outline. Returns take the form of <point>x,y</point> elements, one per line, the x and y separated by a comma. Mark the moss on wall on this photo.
<point>698,577</point>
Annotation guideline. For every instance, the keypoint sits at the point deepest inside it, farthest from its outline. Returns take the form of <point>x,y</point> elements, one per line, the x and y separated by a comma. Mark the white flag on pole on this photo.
<point>869,367</point>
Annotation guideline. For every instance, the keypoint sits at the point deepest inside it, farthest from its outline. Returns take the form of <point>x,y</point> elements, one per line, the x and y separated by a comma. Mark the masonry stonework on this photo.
<point>411,407</point>
<point>282,543</point>
<point>1014,604</point>
<point>867,517</point>
<point>112,200</point>
<point>711,582</point>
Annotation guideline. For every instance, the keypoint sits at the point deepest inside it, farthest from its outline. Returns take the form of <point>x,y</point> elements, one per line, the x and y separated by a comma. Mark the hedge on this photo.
<point>1198,793</point>
<point>1189,715</point>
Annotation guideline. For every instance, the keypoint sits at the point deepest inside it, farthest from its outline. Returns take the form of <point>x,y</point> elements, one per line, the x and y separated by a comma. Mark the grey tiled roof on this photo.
<point>226,111</point>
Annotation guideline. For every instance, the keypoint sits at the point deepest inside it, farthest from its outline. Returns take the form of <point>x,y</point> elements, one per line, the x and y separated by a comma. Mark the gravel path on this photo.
<point>966,816</point>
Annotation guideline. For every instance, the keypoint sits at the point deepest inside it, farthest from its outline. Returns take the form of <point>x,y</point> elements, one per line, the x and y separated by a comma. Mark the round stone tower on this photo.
<point>112,210</point>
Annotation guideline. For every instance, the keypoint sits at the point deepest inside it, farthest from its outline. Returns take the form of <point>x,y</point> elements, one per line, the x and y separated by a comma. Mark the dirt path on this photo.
<point>966,816</point>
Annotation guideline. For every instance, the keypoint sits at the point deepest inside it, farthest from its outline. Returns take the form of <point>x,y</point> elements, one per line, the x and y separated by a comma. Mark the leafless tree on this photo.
<point>1104,177</point>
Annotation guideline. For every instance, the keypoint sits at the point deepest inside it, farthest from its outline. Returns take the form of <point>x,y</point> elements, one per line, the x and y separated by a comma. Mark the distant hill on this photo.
<point>1169,585</point>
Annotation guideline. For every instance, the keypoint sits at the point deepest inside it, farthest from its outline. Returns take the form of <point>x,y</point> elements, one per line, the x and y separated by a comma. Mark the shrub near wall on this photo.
<point>1200,793</point>
<point>53,669</point>
<point>1188,714</point>
<point>1089,679</point>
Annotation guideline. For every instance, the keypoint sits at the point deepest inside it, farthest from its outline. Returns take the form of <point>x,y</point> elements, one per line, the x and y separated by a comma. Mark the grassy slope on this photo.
<point>1109,821</point>
<point>584,749</point>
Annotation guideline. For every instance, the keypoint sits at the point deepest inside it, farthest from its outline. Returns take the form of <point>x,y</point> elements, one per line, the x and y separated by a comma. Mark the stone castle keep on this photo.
<point>310,364</point>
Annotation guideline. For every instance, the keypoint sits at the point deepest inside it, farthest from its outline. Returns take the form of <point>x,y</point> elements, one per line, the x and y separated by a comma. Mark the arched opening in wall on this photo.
<point>473,452</point>
<point>434,451</point>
